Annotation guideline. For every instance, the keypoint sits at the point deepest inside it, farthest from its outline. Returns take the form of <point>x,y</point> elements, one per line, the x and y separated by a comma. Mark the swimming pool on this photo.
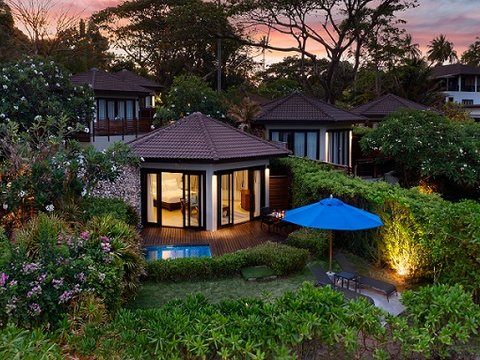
<point>176,251</point>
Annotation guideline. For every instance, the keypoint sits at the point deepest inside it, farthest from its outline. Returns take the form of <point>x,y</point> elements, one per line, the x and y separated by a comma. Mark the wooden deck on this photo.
<point>221,241</point>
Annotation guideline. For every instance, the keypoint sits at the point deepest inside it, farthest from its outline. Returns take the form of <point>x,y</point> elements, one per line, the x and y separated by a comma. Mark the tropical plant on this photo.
<point>244,113</point>
<point>441,50</point>
<point>32,88</point>
<point>471,56</point>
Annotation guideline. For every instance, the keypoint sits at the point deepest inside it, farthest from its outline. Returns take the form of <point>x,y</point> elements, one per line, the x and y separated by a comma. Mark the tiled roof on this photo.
<point>453,70</point>
<point>132,78</point>
<point>298,108</point>
<point>103,81</point>
<point>385,105</point>
<point>198,137</point>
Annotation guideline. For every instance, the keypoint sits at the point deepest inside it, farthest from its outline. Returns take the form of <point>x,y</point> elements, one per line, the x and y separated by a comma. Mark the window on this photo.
<point>110,109</point>
<point>302,143</point>
<point>339,147</point>
<point>452,84</point>
<point>467,102</point>
<point>468,83</point>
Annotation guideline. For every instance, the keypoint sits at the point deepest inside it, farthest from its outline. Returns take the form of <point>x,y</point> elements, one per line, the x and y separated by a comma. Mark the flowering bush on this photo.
<point>40,172</point>
<point>34,87</point>
<point>39,287</point>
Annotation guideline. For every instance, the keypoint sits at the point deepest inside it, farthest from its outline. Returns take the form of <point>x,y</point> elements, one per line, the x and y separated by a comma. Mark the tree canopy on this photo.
<point>170,38</point>
<point>342,26</point>
<point>33,87</point>
<point>427,146</point>
<point>441,50</point>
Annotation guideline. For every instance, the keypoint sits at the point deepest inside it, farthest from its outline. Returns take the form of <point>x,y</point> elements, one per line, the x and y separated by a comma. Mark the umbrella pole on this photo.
<point>330,236</point>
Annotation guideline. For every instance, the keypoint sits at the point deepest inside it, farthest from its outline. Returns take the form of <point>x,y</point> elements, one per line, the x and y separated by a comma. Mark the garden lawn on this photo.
<point>153,295</point>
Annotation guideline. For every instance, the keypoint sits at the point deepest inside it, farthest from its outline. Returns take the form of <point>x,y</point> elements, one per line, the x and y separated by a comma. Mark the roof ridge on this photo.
<point>312,102</point>
<point>276,103</point>
<point>206,133</point>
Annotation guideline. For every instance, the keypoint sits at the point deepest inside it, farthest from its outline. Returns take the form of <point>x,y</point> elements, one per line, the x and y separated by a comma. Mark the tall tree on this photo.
<point>44,22</point>
<point>172,37</point>
<point>11,39</point>
<point>471,56</point>
<point>441,50</point>
<point>341,24</point>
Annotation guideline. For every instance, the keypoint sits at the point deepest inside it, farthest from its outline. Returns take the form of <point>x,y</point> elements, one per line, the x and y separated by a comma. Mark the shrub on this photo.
<point>50,268</point>
<point>16,343</point>
<point>118,209</point>
<point>315,241</point>
<point>439,321</point>
<point>283,260</point>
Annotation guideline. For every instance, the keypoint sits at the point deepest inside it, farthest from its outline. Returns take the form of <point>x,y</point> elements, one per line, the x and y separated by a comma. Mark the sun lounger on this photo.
<point>382,286</point>
<point>322,279</point>
<point>365,281</point>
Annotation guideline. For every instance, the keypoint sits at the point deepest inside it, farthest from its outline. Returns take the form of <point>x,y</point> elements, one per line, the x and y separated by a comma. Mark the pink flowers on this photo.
<point>105,244</point>
<point>34,309</point>
<point>85,235</point>
<point>28,268</point>
<point>36,290</point>
<point>57,284</point>
<point>3,279</point>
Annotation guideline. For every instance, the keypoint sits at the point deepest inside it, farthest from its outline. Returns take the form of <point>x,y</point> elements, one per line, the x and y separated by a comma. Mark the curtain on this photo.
<point>312,145</point>
<point>299,144</point>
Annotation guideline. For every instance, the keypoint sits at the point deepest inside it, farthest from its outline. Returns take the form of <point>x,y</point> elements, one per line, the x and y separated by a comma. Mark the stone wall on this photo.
<point>126,187</point>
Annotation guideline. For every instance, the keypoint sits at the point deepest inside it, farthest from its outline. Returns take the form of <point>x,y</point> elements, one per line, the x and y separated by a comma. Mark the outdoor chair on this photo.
<point>384,287</point>
<point>322,279</point>
<point>266,218</point>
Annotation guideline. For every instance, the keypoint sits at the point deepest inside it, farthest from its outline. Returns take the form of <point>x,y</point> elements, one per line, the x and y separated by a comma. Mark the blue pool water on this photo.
<point>176,251</point>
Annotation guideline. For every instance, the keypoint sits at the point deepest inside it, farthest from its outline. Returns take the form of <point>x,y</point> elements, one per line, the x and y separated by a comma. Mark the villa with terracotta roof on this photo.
<point>124,105</point>
<point>310,127</point>
<point>202,173</point>
<point>376,110</point>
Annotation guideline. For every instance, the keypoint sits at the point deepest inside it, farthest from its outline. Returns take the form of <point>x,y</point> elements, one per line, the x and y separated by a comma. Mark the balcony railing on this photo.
<point>121,126</point>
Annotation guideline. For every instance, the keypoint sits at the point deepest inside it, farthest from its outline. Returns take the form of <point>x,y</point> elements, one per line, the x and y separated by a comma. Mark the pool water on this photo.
<point>176,251</point>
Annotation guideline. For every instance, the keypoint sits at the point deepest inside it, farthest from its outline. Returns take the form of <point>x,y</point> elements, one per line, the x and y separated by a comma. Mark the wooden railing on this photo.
<point>121,127</point>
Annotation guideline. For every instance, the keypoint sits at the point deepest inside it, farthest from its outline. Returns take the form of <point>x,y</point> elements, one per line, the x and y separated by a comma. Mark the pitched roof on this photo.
<point>133,78</point>
<point>198,137</point>
<point>453,70</point>
<point>299,108</point>
<point>385,105</point>
<point>101,80</point>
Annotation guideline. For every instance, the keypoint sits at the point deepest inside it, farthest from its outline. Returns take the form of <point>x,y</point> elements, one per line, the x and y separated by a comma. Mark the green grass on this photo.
<point>257,272</point>
<point>153,295</point>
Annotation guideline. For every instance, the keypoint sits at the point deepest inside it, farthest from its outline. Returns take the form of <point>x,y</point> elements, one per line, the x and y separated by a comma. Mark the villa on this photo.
<point>124,105</point>
<point>201,173</point>
<point>310,127</point>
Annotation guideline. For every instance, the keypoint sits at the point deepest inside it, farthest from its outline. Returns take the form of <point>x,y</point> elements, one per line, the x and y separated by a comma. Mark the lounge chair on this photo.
<point>366,281</point>
<point>382,286</point>
<point>322,279</point>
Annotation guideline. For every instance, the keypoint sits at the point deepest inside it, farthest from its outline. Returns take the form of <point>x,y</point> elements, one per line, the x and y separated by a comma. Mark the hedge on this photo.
<point>313,240</point>
<point>282,259</point>
<point>423,235</point>
<point>312,323</point>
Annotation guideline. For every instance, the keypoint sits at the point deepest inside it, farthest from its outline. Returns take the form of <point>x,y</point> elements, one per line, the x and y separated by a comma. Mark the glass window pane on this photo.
<point>121,110</point>
<point>102,109</point>
<point>299,144</point>
<point>111,110</point>
<point>275,136</point>
<point>312,145</point>
<point>130,110</point>
<point>152,205</point>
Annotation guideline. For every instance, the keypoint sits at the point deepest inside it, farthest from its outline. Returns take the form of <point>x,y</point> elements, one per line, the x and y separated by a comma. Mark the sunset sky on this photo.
<point>459,20</point>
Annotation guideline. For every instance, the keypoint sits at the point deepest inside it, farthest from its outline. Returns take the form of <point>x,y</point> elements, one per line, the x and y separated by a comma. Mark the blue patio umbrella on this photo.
<point>332,214</point>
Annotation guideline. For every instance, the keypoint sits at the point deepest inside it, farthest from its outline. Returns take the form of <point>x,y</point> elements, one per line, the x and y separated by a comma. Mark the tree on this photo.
<point>343,24</point>
<point>170,38</point>
<point>471,56</point>
<point>45,23</point>
<point>441,50</point>
<point>244,115</point>
<point>33,87</point>
<point>189,94</point>
<point>428,147</point>
<point>11,39</point>
<point>82,48</point>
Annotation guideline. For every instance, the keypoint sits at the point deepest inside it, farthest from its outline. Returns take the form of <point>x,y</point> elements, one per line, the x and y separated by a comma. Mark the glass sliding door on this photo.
<point>175,199</point>
<point>152,203</point>
<point>239,196</point>
<point>226,199</point>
